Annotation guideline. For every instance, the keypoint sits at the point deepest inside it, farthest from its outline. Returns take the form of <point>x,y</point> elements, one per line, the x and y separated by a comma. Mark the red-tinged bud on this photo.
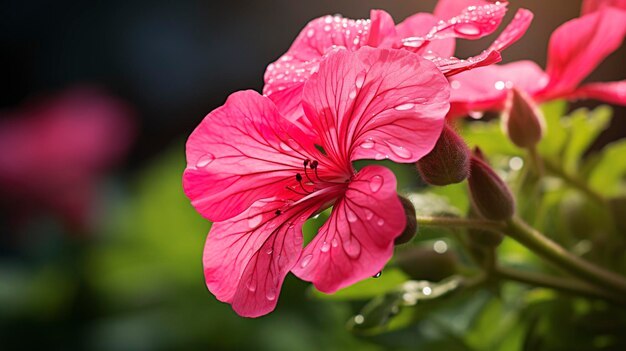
<point>448,162</point>
<point>522,120</point>
<point>490,195</point>
<point>422,263</point>
<point>411,222</point>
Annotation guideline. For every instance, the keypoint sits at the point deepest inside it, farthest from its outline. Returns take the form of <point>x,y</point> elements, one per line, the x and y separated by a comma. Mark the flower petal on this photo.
<point>451,8</point>
<point>419,25</point>
<point>513,31</point>
<point>486,88</point>
<point>357,240</point>
<point>611,92</point>
<point>247,257</point>
<point>590,6</point>
<point>376,103</point>
<point>579,45</point>
<point>452,66</point>
<point>242,152</point>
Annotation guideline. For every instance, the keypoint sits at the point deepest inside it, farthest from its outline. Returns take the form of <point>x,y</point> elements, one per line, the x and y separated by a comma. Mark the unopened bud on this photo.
<point>448,162</point>
<point>522,120</point>
<point>422,263</point>
<point>411,222</point>
<point>490,195</point>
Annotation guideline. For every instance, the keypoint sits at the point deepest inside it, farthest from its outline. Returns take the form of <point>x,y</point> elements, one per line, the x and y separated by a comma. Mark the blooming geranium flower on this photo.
<point>53,151</point>
<point>423,33</point>
<point>575,49</point>
<point>259,176</point>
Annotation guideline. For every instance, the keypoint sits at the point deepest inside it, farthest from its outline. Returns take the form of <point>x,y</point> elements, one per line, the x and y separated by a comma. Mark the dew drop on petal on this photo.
<point>269,251</point>
<point>467,29</point>
<point>368,144</point>
<point>368,214</point>
<point>251,286</point>
<point>380,156</point>
<point>271,294</point>
<point>305,261</point>
<point>380,222</point>
<point>285,147</point>
<point>499,85</point>
<point>376,182</point>
<point>360,79</point>
<point>351,216</point>
<point>352,248</point>
<point>205,160</point>
<point>325,247</point>
<point>405,107</point>
<point>334,243</point>
<point>400,151</point>
<point>377,275</point>
<point>475,114</point>
<point>310,33</point>
<point>253,222</point>
<point>352,94</point>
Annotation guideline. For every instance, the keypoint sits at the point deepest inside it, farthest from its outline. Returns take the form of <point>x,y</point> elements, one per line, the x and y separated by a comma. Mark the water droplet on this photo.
<point>310,33</point>
<point>368,214</point>
<point>327,28</point>
<point>455,84</point>
<point>499,85</point>
<point>269,251</point>
<point>305,261</point>
<point>405,107</point>
<point>368,144</point>
<point>351,216</point>
<point>380,222</point>
<point>251,286</point>
<point>356,41</point>
<point>359,319</point>
<point>377,275</point>
<point>334,243</point>
<point>271,294</point>
<point>376,182</point>
<point>380,156</point>
<point>475,114</point>
<point>360,79</point>
<point>352,94</point>
<point>467,29</point>
<point>285,147</point>
<point>205,160</point>
<point>352,248</point>
<point>255,221</point>
<point>400,151</point>
<point>325,247</point>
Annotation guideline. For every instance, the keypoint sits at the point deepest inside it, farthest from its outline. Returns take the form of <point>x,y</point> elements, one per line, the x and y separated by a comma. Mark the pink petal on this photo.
<point>590,6</point>
<point>288,101</point>
<point>242,152</point>
<point>376,103</point>
<point>579,45</point>
<point>612,92</point>
<point>247,257</point>
<point>486,88</point>
<point>357,240</point>
<point>382,30</point>
<point>450,8</point>
<point>452,66</point>
<point>473,23</point>
<point>514,31</point>
<point>419,25</point>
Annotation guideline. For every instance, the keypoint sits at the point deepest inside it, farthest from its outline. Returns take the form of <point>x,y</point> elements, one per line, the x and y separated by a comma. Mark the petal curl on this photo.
<point>611,92</point>
<point>242,152</point>
<point>357,240</point>
<point>375,104</point>
<point>247,257</point>
<point>418,25</point>
<point>486,88</point>
<point>513,31</point>
<point>579,45</point>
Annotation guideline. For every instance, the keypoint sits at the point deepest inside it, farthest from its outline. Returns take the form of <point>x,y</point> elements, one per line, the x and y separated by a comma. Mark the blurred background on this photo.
<point>99,247</point>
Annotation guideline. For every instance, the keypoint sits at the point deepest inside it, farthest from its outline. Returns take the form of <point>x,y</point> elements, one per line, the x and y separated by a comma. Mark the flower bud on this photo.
<point>423,263</point>
<point>490,195</point>
<point>522,120</point>
<point>411,222</point>
<point>448,162</point>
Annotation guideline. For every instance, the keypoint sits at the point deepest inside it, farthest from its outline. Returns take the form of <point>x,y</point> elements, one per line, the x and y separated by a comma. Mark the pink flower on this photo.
<point>423,33</point>
<point>259,176</point>
<point>575,49</point>
<point>590,6</point>
<point>54,151</point>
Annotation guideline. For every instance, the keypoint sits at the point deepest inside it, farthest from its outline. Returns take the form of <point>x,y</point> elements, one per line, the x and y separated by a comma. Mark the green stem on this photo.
<point>536,161</point>
<point>557,283</point>
<point>456,222</point>
<point>574,181</point>
<point>549,250</point>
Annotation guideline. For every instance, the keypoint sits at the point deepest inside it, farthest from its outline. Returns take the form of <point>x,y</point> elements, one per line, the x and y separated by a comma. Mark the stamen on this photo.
<point>306,163</point>
<point>299,179</point>
<point>297,192</point>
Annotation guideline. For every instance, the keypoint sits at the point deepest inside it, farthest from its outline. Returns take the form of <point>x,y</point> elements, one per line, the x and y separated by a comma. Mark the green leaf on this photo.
<point>555,136</point>
<point>608,175</point>
<point>583,127</point>
<point>390,279</point>
<point>489,137</point>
